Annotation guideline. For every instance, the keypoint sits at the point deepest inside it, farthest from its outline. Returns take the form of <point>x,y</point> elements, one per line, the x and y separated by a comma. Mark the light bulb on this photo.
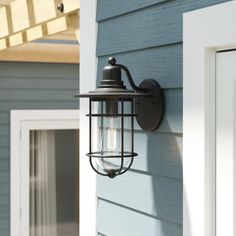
<point>111,136</point>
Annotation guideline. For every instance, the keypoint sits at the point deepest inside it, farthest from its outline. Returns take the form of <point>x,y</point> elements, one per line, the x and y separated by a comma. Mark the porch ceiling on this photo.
<point>23,21</point>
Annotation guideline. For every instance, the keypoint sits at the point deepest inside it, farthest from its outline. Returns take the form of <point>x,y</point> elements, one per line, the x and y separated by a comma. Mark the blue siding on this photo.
<point>150,27</point>
<point>147,37</point>
<point>29,86</point>
<point>116,220</point>
<point>161,63</point>
<point>108,9</point>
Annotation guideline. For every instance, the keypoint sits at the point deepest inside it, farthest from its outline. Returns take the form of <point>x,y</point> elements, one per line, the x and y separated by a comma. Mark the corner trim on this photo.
<point>205,32</point>
<point>88,76</point>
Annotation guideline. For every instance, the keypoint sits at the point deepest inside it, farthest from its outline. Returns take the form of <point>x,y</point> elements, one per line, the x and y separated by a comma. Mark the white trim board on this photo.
<point>88,75</point>
<point>206,31</point>
<point>24,121</point>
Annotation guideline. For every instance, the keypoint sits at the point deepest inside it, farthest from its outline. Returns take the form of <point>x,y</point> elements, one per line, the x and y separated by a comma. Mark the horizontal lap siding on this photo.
<point>146,36</point>
<point>172,121</point>
<point>108,9</point>
<point>29,86</point>
<point>163,160</point>
<point>160,63</point>
<point>150,27</point>
<point>155,195</point>
<point>117,220</point>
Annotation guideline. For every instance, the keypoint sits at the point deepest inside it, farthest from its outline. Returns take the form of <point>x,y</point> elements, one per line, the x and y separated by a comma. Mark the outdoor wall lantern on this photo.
<point>112,109</point>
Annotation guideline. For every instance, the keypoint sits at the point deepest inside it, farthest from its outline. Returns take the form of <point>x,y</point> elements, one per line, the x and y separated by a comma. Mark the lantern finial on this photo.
<point>112,61</point>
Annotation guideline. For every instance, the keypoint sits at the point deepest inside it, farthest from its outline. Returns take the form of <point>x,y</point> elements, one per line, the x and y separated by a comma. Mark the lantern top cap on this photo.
<point>112,86</point>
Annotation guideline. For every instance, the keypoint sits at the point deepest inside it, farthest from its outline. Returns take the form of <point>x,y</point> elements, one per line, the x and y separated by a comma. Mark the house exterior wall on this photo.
<point>29,86</point>
<point>146,36</point>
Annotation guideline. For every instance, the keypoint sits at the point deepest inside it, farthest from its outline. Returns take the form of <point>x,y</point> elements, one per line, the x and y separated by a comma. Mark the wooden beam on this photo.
<point>74,24</point>
<point>63,36</point>
<point>21,15</point>
<point>6,2</point>
<point>40,52</point>
<point>3,44</point>
<point>4,23</point>
<point>40,31</point>
<point>71,5</point>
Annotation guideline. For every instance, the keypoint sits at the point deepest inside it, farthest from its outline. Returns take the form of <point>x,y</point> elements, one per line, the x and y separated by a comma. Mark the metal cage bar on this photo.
<point>132,140</point>
<point>122,138</point>
<point>123,153</point>
<point>90,126</point>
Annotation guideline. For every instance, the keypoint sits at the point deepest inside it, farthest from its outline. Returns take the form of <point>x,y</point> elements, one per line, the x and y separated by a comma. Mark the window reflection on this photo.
<point>54,183</point>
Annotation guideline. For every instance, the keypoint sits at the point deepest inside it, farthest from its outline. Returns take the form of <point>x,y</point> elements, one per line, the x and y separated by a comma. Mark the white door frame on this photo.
<point>22,121</point>
<point>205,32</point>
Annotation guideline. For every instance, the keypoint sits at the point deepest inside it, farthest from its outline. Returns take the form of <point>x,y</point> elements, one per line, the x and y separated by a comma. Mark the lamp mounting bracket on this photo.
<point>112,61</point>
<point>150,110</point>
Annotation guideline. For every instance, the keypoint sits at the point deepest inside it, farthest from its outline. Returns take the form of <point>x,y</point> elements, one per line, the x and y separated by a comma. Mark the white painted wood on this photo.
<point>205,31</point>
<point>22,121</point>
<point>225,143</point>
<point>24,181</point>
<point>88,75</point>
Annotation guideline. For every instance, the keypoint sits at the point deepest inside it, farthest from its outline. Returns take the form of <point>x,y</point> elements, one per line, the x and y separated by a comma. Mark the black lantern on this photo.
<point>112,109</point>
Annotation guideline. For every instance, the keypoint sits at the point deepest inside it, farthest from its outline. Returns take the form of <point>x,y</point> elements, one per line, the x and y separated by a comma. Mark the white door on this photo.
<point>45,173</point>
<point>226,143</point>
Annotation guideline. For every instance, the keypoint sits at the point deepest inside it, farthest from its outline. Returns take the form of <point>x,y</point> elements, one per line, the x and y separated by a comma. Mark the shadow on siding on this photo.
<point>164,152</point>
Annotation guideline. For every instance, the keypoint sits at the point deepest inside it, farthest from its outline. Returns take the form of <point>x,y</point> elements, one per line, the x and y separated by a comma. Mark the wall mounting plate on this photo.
<point>150,110</point>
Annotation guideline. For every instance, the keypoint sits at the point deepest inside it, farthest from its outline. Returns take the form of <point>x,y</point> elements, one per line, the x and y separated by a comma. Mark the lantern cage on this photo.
<point>112,109</point>
<point>111,136</point>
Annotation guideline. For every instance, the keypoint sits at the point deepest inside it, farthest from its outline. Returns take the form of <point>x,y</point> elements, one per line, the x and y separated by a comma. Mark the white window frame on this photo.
<point>22,121</point>
<point>206,31</point>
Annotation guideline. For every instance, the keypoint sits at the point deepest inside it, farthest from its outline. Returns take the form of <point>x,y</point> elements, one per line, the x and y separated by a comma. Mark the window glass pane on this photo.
<point>54,183</point>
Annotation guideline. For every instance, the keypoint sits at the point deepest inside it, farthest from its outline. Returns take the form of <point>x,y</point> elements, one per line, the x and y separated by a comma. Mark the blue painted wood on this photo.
<point>4,189</point>
<point>154,26</point>
<point>47,104</point>
<point>5,177</point>
<point>159,153</point>
<point>4,118</point>
<point>172,121</point>
<point>5,153</point>
<point>4,165</point>
<point>4,224</point>
<point>107,8</point>
<point>4,142</point>
<point>116,220</point>
<point>37,95</point>
<point>29,86</point>
<point>4,130</point>
<point>5,232</point>
<point>155,195</point>
<point>4,200</point>
<point>163,64</point>
<point>25,82</point>
<point>39,70</point>
<point>4,212</point>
